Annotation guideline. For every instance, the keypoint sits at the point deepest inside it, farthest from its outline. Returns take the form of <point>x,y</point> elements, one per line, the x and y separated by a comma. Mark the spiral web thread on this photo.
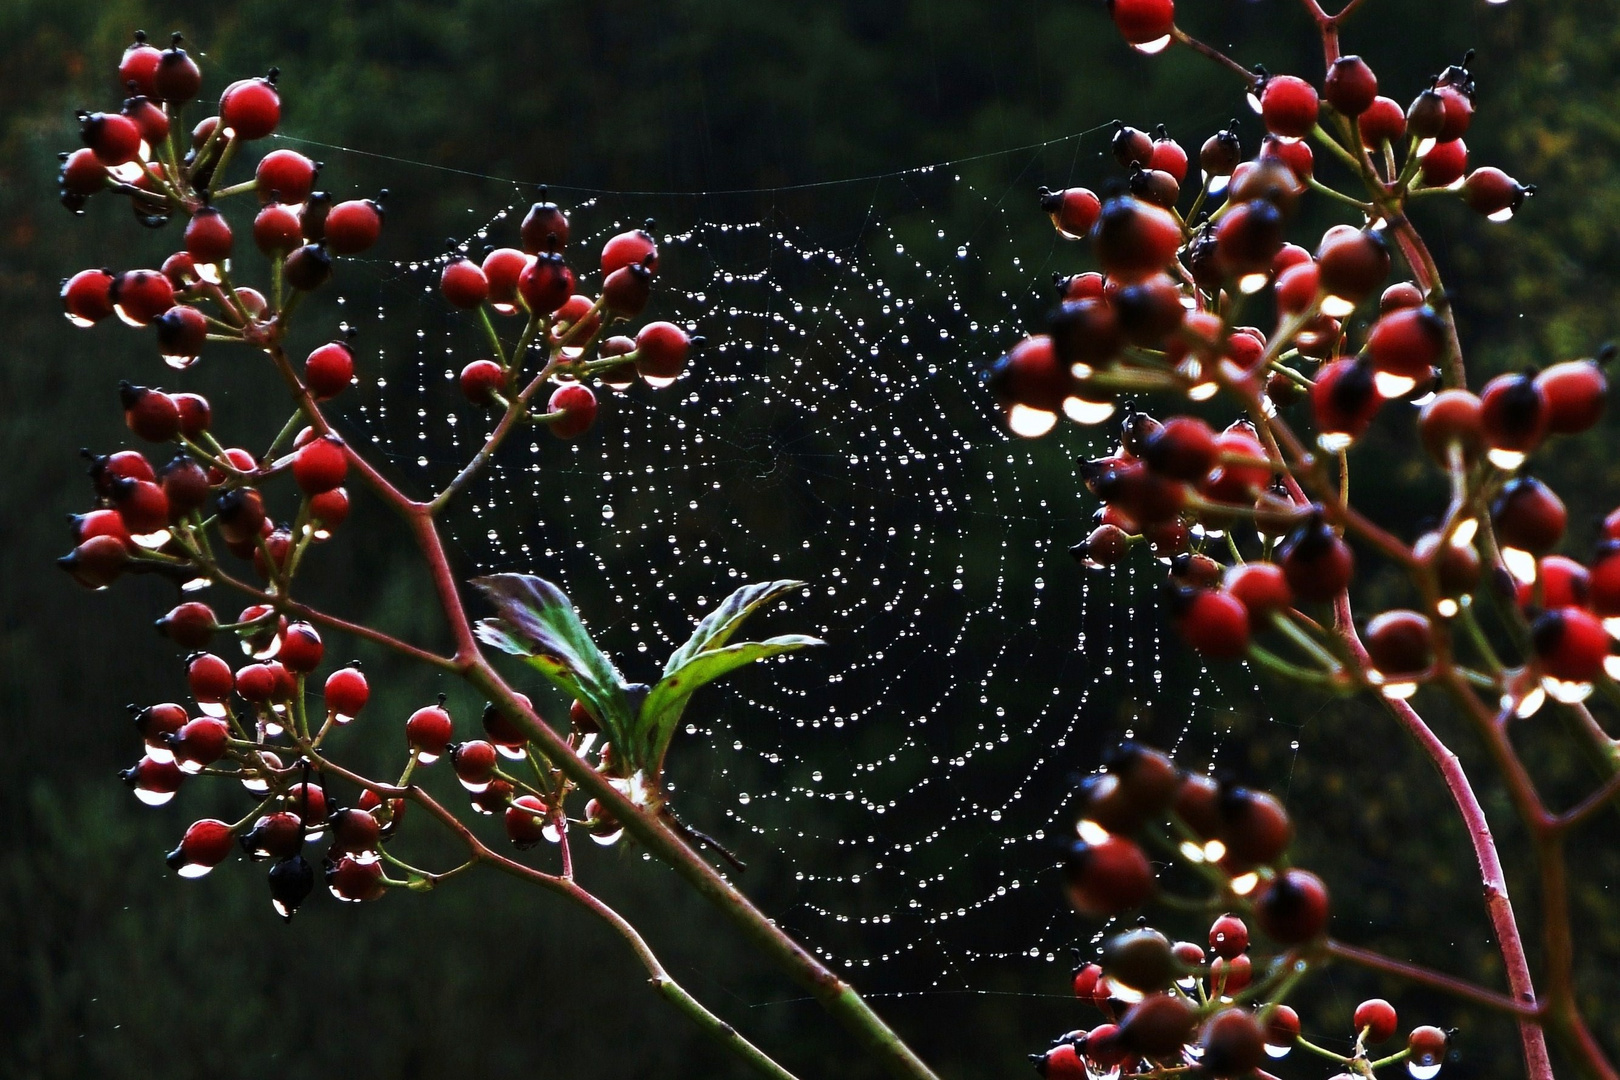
<point>904,790</point>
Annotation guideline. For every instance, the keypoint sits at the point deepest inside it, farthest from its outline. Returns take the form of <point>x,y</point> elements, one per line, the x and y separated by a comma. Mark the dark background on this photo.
<point>108,967</point>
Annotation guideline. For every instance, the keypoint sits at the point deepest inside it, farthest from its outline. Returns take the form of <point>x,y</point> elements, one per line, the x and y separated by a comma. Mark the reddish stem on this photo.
<point>1460,988</point>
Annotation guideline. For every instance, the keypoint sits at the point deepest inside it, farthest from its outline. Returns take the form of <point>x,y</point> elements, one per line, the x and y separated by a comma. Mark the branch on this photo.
<point>1529,1012</point>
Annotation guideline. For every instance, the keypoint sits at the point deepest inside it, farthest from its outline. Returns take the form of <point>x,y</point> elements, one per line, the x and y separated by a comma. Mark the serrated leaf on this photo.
<point>716,628</point>
<point>535,620</point>
<point>661,712</point>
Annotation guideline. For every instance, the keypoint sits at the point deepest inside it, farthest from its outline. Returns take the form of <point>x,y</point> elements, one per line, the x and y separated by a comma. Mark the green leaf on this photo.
<point>535,620</point>
<point>661,712</point>
<point>718,626</point>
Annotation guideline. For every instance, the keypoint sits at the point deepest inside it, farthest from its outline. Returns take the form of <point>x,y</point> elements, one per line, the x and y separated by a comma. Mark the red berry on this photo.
<point>1293,909</point>
<point>1134,239</point>
<point>577,405</point>
<point>144,509</point>
<point>429,731</point>
<point>474,764</point>
<point>1445,164</point>
<point>1297,288</point>
<point>139,65</point>
<point>308,267</point>
<point>546,284</point>
<point>257,683</point>
<point>1402,294</point>
<point>240,512</point>
<point>1571,644</point>
<point>1233,1044</point>
<point>463,283</point>
<point>1158,1026</point>
<point>1221,153</point>
<point>1143,22</point>
<point>1458,113</point>
<point>625,294</point>
<point>1228,937</point>
<point>1426,1047</point>
<point>480,380</point>
<point>82,175</point>
<point>624,375</point>
<point>320,465</point>
<point>210,679</point>
<point>1183,448</point>
<point>154,781</point>
<point>252,108</point>
<point>1073,211</point>
<point>284,176</point>
<point>1528,516</point>
<point>277,230</point>
<point>503,267</point>
<point>1384,121</point>
<point>87,297</point>
<point>576,322</point>
<point>114,139</point>
<point>301,648</point>
<point>1494,193</point>
<point>1254,827</point>
<point>1561,581</point>
<point>1408,342</point>
<point>208,236</point>
<point>526,821</point>
<point>1575,393</point>
<point>1247,240</point>
<point>1168,157</point>
<point>329,370</point>
<point>504,732</point>
<point>1295,154</point>
<point>1107,878</point>
<point>158,725</point>
<point>200,743</point>
<point>1260,587</point>
<point>545,228</point>
<point>274,836</point>
<point>190,625</point>
<point>1401,645</point>
<point>353,831</point>
<point>308,801</point>
<point>1316,561</point>
<point>1031,375</point>
<point>205,845</point>
<point>1351,87</point>
<point>1353,263</point>
<point>149,119</point>
<point>1288,105</point>
<point>98,523</point>
<point>353,226</point>
<point>181,270</point>
<point>1085,332</point>
<point>355,880</point>
<point>181,332</point>
<point>177,78</point>
<point>1513,415</point>
<point>1375,1019</point>
<point>346,693</point>
<point>1344,399</point>
<point>1282,1029</point>
<point>635,247</point>
<point>140,296</point>
<point>151,414</point>
<point>1452,419</point>
<point>661,352</point>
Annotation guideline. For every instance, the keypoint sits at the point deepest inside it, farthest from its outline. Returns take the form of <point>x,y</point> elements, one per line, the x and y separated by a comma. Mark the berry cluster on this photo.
<point>1199,296</point>
<point>1170,1006</point>
<point>259,723</point>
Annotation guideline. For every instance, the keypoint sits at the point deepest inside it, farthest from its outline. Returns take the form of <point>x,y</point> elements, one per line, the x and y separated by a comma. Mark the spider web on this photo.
<point>901,795</point>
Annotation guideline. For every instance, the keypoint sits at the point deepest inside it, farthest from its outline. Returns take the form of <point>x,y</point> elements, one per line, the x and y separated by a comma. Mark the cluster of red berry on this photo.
<point>1166,1006</point>
<point>1166,312</point>
<point>254,723</point>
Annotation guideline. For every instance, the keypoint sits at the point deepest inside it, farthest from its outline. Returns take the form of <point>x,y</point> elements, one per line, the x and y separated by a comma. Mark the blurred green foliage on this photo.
<point>109,968</point>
